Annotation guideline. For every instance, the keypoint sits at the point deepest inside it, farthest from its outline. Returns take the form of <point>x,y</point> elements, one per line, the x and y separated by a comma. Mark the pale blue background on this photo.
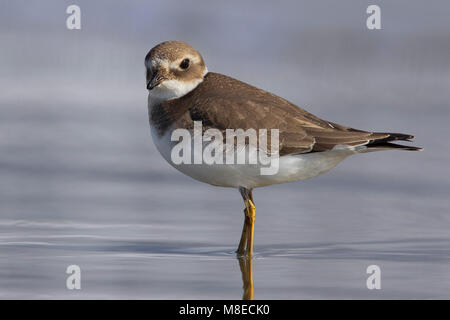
<point>81,182</point>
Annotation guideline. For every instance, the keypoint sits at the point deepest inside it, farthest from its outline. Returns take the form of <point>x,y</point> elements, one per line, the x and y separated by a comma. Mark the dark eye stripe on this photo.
<point>184,64</point>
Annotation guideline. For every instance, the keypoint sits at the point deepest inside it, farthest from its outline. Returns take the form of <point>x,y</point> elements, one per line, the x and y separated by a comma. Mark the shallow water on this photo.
<point>81,182</point>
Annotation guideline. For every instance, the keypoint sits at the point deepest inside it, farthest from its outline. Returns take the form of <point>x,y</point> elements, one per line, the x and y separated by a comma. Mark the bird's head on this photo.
<point>173,69</point>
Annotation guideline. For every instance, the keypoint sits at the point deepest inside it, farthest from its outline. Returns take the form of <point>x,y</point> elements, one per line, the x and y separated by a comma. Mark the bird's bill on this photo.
<point>156,80</point>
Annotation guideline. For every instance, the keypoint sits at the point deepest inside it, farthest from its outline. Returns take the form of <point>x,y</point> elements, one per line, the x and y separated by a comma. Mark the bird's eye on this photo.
<point>184,64</point>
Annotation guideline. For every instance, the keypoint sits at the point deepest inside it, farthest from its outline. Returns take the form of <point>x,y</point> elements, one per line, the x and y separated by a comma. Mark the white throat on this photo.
<point>172,89</point>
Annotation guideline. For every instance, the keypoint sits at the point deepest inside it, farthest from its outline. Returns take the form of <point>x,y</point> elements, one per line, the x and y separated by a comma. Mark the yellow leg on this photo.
<point>250,212</point>
<point>243,242</point>
<point>246,242</point>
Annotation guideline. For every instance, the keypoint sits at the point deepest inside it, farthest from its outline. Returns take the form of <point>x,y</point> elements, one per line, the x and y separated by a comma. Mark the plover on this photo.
<point>182,92</point>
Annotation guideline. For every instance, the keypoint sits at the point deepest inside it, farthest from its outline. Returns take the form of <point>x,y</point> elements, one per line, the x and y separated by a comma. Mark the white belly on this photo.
<point>291,167</point>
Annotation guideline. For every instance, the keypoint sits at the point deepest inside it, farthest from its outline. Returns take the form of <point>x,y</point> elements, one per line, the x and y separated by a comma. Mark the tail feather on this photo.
<point>386,143</point>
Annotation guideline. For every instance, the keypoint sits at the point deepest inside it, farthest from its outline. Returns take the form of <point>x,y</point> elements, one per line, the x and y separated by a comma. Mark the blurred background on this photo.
<point>82,183</point>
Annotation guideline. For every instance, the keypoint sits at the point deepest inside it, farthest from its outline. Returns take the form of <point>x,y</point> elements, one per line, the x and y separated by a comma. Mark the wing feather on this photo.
<point>222,103</point>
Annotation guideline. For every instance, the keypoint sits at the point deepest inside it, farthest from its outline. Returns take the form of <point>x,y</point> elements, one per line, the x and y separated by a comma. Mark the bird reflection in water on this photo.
<point>245,264</point>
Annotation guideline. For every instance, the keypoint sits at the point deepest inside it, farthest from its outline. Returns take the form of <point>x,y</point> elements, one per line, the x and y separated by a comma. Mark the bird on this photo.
<point>182,92</point>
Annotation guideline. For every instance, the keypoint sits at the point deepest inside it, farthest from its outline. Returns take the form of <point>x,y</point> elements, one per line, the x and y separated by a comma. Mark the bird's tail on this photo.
<point>386,143</point>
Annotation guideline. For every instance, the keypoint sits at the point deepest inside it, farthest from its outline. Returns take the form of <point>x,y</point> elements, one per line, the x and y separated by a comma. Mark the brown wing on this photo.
<point>223,103</point>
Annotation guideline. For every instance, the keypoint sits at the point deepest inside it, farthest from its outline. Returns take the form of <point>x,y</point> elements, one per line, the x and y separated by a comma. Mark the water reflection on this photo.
<point>245,264</point>
<point>154,269</point>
